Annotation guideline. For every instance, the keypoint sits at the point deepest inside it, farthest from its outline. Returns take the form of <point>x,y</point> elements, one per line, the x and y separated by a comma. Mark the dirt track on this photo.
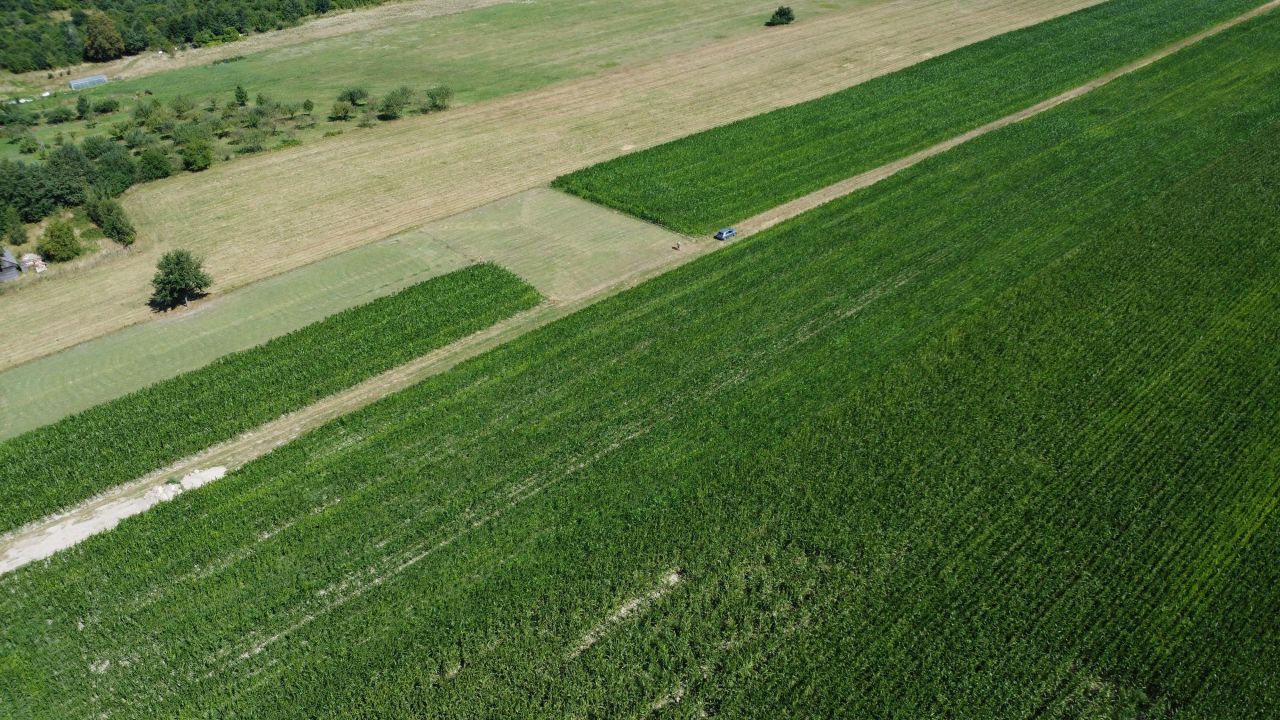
<point>268,214</point>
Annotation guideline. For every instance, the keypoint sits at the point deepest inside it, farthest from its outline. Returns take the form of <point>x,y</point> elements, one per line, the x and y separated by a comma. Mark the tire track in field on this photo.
<point>769,218</point>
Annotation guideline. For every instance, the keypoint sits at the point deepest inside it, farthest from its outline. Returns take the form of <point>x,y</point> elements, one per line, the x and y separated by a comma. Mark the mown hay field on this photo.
<point>994,437</point>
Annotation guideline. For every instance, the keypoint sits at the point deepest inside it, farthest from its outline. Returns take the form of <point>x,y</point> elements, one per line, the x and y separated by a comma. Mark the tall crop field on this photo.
<point>60,464</point>
<point>718,177</point>
<point>993,438</point>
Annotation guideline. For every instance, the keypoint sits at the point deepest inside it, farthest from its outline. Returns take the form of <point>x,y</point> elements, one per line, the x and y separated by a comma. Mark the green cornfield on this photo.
<point>721,176</point>
<point>55,466</point>
<point>992,438</point>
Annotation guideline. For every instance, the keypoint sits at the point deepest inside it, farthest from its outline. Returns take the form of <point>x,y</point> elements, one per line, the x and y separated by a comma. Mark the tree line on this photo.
<point>46,34</point>
<point>150,143</point>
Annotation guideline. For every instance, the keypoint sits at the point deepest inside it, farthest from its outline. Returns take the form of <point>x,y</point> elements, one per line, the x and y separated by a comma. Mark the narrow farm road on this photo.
<point>41,539</point>
<point>773,216</point>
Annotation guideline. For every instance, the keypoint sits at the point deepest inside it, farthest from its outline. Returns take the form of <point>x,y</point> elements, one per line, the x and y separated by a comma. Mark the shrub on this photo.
<point>242,95</point>
<point>394,104</point>
<point>82,107</point>
<point>115,170</point>
<point>180,277</point>
<point>308,106</point>
<point>59,114</point>
<point>181,105</point>
<point>59,242</point>
<point>438,98</point>
<point>28,145</point>
<point>108,214</point>
<point>95,146</point>
<point>106,106</point>
<point>355,96</point>
<point>782,16</point>
<point>154,164</point>
<point>197,156</point>
<point>342,110</point>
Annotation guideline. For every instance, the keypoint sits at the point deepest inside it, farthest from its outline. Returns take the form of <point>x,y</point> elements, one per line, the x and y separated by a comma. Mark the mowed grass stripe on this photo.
<point>775,422</point>
<point>58,465</point>
<point>718,177</point>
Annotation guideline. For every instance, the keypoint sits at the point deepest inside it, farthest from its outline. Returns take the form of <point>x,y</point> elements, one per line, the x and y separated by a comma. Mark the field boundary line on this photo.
<point>786,211</point>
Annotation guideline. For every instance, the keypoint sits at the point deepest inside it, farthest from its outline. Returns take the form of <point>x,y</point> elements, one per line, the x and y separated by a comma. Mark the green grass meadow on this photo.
<point>992,438</point>
<point>715,178</point>
<point>481,54</point>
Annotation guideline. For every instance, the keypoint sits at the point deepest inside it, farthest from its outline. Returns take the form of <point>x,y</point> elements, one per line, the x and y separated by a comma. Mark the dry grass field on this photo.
<point>569,249</point>
<point>270,214</point>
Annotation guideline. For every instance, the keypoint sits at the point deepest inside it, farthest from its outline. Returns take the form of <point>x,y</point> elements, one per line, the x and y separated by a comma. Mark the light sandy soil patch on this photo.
<point>50,535</point>
<point>773,216</point>
<point>265,215</point>
<point>332,25</point>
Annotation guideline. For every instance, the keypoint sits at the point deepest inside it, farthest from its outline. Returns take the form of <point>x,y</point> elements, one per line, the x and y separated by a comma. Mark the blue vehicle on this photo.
<point>726,233</point>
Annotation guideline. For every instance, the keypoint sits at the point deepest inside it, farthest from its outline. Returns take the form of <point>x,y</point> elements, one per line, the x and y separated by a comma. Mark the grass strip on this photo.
<point>715,178</point>
<point>58,465</point>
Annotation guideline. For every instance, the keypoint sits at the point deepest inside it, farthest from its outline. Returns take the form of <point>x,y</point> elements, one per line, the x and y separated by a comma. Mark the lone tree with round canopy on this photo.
<point>180,277</point>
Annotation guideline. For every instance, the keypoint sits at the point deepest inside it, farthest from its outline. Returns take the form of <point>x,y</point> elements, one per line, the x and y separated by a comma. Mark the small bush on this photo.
<point>438,98</point>
<point>197,156</point>
<point>355,96</point>
<point>394,104</point>
<point>59,242</point>
<point>782,16</point>
<point>106,106</point>
<point>342,110</point>
<point>154,164</point>
<point>59,114</point>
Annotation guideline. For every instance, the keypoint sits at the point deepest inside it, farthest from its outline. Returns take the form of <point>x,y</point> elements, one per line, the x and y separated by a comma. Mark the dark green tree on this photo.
<point>59,242</point>
<point>15,233</point>
<point>308,106</point>
<point>180,277</point>
<point>242,96</point>
<point>107,213</point>
<point>67,173</point>
<point>101,39</point>
<point>83,107</point>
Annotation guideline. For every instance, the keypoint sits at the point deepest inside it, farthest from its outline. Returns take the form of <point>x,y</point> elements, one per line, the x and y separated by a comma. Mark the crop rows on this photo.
<point>68,461</point>
<point>1009,453</point>
<point>718,177</point>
